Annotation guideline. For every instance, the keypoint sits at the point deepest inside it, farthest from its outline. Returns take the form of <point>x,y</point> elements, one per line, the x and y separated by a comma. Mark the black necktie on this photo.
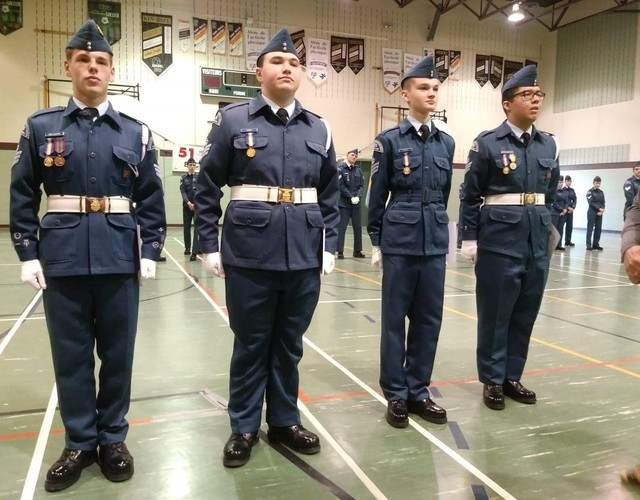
<point>283,115</point>
<point>525,138</point>
<point>91,113</point>
<point>424,131</point>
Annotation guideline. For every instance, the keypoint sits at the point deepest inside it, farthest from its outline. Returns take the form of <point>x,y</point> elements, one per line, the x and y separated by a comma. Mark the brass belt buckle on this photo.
<point>529,198</point>
<point>285,195</point>
<point>94,205</point>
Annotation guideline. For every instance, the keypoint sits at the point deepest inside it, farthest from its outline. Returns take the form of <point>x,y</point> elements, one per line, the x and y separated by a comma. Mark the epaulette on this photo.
<point>485,133</point>
<point>55,109</point>
<point>124,115</point>
<point>312,113</point>
<point>442,126</point>
<point>234,105</point>
<point>388,130</point>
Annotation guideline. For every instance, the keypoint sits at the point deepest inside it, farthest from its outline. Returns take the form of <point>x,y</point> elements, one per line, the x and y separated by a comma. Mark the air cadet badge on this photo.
<point>377,147</point>
<point>474,146</point>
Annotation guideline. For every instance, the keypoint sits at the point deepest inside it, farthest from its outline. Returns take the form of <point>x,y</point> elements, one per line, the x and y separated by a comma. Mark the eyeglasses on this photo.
<point>528,95</point>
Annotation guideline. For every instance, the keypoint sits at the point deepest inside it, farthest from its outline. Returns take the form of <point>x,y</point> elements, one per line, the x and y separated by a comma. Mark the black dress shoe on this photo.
<point>116,463</point>
<point>162,258</point>
<point>359,255</point>
<point>560,248</point>
<point>340,255</point>
<point>295,437</point>
<point>187,251</point>
<point>397,413</point>
<point>589,248</point>
<point>428,410</point>
<point>597,247</point>
<point>68,468</point>
<point>516,391</point>
<point>569,244</point>
<point>237,451</point>
<point>193,257</point>
<point>493,396</point>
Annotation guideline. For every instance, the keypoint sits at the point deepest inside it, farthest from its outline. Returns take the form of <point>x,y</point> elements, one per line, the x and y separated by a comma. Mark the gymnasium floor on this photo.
<point>584,364</point>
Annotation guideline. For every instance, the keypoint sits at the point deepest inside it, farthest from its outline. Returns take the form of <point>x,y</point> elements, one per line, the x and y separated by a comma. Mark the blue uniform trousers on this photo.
<point>269,311</point>
<point>568,228</point>
<point>187,219</point>
<point>354,214</point>
<point>412,287</point>
<point>508,296</point>
<point>83,313</point>
<point>559,221</point>
<point>594,227</point>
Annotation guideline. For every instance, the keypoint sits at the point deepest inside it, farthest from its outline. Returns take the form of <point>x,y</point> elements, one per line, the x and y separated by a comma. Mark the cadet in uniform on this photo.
<point>279,161</point>
<point>510,184</point>
<point>351,185</point>
<point>631,188</point>
<point>188,193</point>
<point>559,211</point>
<point>413,163</point>
<point>595,211</point>
<point>571,196</point>
<point>93,164</point>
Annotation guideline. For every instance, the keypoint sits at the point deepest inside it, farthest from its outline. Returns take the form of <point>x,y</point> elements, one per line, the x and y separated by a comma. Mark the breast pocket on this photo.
<point>407,176</point>
<point>125,168</point>
<point>57,167</point>
<point>545,168</point>
<point>241,145</point>
<point>316,154</point>
<point>444,169</point>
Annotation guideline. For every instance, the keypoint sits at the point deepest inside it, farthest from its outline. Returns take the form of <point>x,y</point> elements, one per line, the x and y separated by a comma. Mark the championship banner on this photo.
<point>510,67</point>
<point>156,42</point>
<point>199,35</point>
<point>218,37</point>
<point>181,153</point>
<point>318,61</point>
<point>391,66</point>
<point>442,64</point>
<point>495,72</point>
<point>107,16</point>
<point>482,69</point>
<point>403,3</point>
<point>455,60</point>
<point>338,53</point>
<point>356,54</point>
<point>10,16</point>
<point>301,50</point>
<point>410,60</point>
<point>256,39</point>
<point>184,35</point>
<point>235,39</point>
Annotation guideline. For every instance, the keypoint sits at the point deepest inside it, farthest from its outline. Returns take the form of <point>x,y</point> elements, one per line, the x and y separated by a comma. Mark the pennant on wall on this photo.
<point>482,69</point>
<point>403,3</point>
<point>184,35</point>
<point>318,61</point>
<point>510,67</point>
<point>218,37</point>
<point>11,17</point>
<point>455,60</point>
<point>256,39</point>
<point>301,50</point>
<point>106,15</point>
<point>156,42</point>
<point>338,53</point>
<point>199,35</point>
<point>235,39</point>
<point>495,72</point>
<point>356,54</point>
<point>442,64</point>
<point>391,66</point>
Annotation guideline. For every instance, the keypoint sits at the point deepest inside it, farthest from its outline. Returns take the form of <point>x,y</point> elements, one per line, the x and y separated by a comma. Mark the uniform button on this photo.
<point>58,222</point>
<point>93,154</point>
<point>248,221</point>
<point>287,182</point>
<point>288,156</point>
<point>289,208</point>
<point>93,180</point>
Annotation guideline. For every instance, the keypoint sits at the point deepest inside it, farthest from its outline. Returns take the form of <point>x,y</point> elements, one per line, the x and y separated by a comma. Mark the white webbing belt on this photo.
<point>515,199</point>
<point>248,192</point>
<point>88,204</point>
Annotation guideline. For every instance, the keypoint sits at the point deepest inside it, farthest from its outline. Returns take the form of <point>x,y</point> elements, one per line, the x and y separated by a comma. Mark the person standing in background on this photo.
<point>506,226</point>
<point>559,211</point>
<point>571,196</point>
<point>595,211</point>
<point>100,174</point>
<point>631,188</point>
<point>279,161</point>
<point>351,184</point>
<point>188,185</point>
<point>408,227</point>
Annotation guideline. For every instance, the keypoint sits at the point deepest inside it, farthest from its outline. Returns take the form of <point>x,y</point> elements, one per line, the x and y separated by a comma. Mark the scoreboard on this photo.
<point>228,83</point>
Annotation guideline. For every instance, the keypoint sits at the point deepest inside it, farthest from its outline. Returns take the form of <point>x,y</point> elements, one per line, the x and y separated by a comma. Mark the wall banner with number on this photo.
<point>181,153</point>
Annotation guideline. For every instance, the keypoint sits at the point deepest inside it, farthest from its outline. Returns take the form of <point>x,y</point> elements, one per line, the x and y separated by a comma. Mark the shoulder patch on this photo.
<point>218,119</point>
<point>378,147</point>
<point>26,131</point>
<point>474,147</point>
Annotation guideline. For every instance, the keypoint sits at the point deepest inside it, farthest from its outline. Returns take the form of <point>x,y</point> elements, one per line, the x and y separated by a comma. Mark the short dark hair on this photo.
<point>561,178</point>
<point>597,179</point>
<point>567,177</point>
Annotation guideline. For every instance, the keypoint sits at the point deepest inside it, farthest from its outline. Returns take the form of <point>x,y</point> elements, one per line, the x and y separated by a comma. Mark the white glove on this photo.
<point>147,269</point>
<point>32,273</point>
<point>328,262</point>
<point>213,264</point>
<point>469,250</point>
<point>355,200</point>
<point>376,258</point>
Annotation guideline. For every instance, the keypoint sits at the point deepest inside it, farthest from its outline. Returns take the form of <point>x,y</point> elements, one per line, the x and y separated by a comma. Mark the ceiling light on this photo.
<point>515,16</point>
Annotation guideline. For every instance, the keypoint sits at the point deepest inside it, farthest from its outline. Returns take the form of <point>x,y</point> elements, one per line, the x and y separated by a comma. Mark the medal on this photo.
<point>505,170</point>
<point>405,160</point>
<point>48,161</point>
<point>59,161</point>
<point>251,152</point>
<point>406,170</point>
<point>512,159</point>
<point>249,134</point>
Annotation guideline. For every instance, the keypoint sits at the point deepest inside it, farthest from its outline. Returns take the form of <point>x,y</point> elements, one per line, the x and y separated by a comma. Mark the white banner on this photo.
<point>410,60</point>
<point>391,67</point>
<point>181,153</point>
<point>255,39</point>
<point>318,60</point>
